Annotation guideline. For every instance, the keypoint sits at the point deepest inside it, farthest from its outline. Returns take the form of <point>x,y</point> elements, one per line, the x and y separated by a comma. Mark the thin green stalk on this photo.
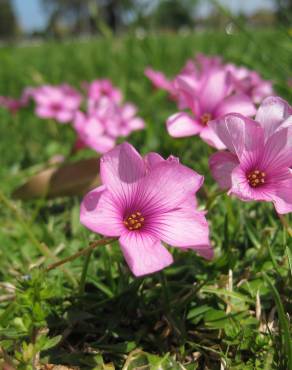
<point>43,249</point>
<point>274,262</point>
<point>82,252</point>
<point>213,197</point>
<point>285,224</point>
<point>84,272</point>
<point>165,289</point>
<point>284,323</point>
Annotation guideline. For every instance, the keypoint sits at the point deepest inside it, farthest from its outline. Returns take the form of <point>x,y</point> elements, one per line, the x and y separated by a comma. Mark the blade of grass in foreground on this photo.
<point>284,324</point>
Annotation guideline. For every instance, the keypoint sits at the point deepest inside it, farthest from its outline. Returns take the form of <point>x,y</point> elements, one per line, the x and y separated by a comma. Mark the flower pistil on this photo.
<point>256,178</point>
<point>135,221</point>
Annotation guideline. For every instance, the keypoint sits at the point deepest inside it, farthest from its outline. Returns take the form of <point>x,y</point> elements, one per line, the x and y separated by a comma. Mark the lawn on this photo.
<point>92,313</point>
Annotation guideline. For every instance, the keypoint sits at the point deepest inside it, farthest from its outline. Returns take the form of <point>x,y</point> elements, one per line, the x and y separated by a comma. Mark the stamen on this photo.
<point>205,118</point>
<point>256,178</point>
<point>135,221</point>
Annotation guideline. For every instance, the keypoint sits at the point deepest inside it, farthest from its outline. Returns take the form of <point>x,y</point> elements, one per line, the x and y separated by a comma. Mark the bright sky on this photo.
<point>32,16</point>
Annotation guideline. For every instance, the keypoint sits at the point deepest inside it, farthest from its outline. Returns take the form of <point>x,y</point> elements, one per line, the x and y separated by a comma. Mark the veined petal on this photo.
<point>221,165</point>
<point>211,138</point>
<point>100,214</point>
<point>214,89</point>
<point>120,168</point>
<point>166,186</point>
<point>272,113</point>
<point>283,197</point>
<point>144,253</point>
<point>182,227</point>
<point>241,135</point>
<point>182,125</point>
<point>278,150</point>
<point>239,103</point>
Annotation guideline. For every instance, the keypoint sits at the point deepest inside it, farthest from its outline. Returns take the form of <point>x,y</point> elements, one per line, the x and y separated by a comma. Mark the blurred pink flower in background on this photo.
<point>160,81</point>
<point>208,97</point>
<point>56,102</point>
<point>99,128</point>
<point>209,88</point>
<point>12,104</point>
<point>244,80</point>
<point>250,83</point>
<point>257,163</point>
<point>143,202</point>
<point>101,88</point>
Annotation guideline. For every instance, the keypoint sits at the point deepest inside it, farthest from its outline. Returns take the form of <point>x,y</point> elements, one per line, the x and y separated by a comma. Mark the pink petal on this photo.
<point>99,213</point>
<point>182,125</point>
<point>158,79</point>
<point>283,197</point>
<point>144,254</point>
<point>211,138</point>
<point>241,135</point>
<point>239,103</point>
<point>44,112</point>
<point>121,167</point>
<point>272,113</point>
<point>214,89</point>
<point>152,159</point>
<point>166,186</point>
<point>262,90</point>
<point>221,166</point>
<point>278,150</point>
<point>64,116</point>
<point>136,124</point>
<point>183,227</point>
<point>101,144</point>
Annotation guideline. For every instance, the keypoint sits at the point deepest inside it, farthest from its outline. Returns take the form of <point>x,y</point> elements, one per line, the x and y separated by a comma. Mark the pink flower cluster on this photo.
<point>106,118</point>
<point>209,89</point>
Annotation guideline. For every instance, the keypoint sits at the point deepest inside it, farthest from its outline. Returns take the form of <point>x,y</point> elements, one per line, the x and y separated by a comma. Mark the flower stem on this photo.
<point>285,224</point>
<point>43,249</point>
<point>213,197</point>
<point>84,273</point>
<point>82,252</point>
<point>165,290</point>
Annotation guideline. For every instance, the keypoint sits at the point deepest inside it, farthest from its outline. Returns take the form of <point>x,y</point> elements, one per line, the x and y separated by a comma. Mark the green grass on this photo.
<point>189,316</point>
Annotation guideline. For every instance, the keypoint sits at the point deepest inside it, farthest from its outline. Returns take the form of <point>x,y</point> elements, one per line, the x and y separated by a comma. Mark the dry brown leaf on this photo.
<point>69,179</point>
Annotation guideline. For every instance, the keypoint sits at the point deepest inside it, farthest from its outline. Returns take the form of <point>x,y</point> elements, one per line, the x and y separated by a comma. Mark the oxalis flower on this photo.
<point>56,102</point>
<point>208,98</point>
<point>257,163</point>
<point>144,201</point>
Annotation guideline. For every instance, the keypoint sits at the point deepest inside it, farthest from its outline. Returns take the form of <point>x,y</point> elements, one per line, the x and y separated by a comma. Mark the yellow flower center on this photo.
<point>256,178</point>
<point>134,222</point>
<point>205,118</point>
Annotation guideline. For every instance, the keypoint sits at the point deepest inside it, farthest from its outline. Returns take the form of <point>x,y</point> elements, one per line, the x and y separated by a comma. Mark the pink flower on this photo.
<point>143,202</point>
<point>160,81</point>
<point>91,133</point>
<point>102,88</point>
<point>208,96</point>
<point>56,102</point>
<point>257,163</point>
<point>13,105</point>
<point>250,83</point>
<point>99,128</point>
